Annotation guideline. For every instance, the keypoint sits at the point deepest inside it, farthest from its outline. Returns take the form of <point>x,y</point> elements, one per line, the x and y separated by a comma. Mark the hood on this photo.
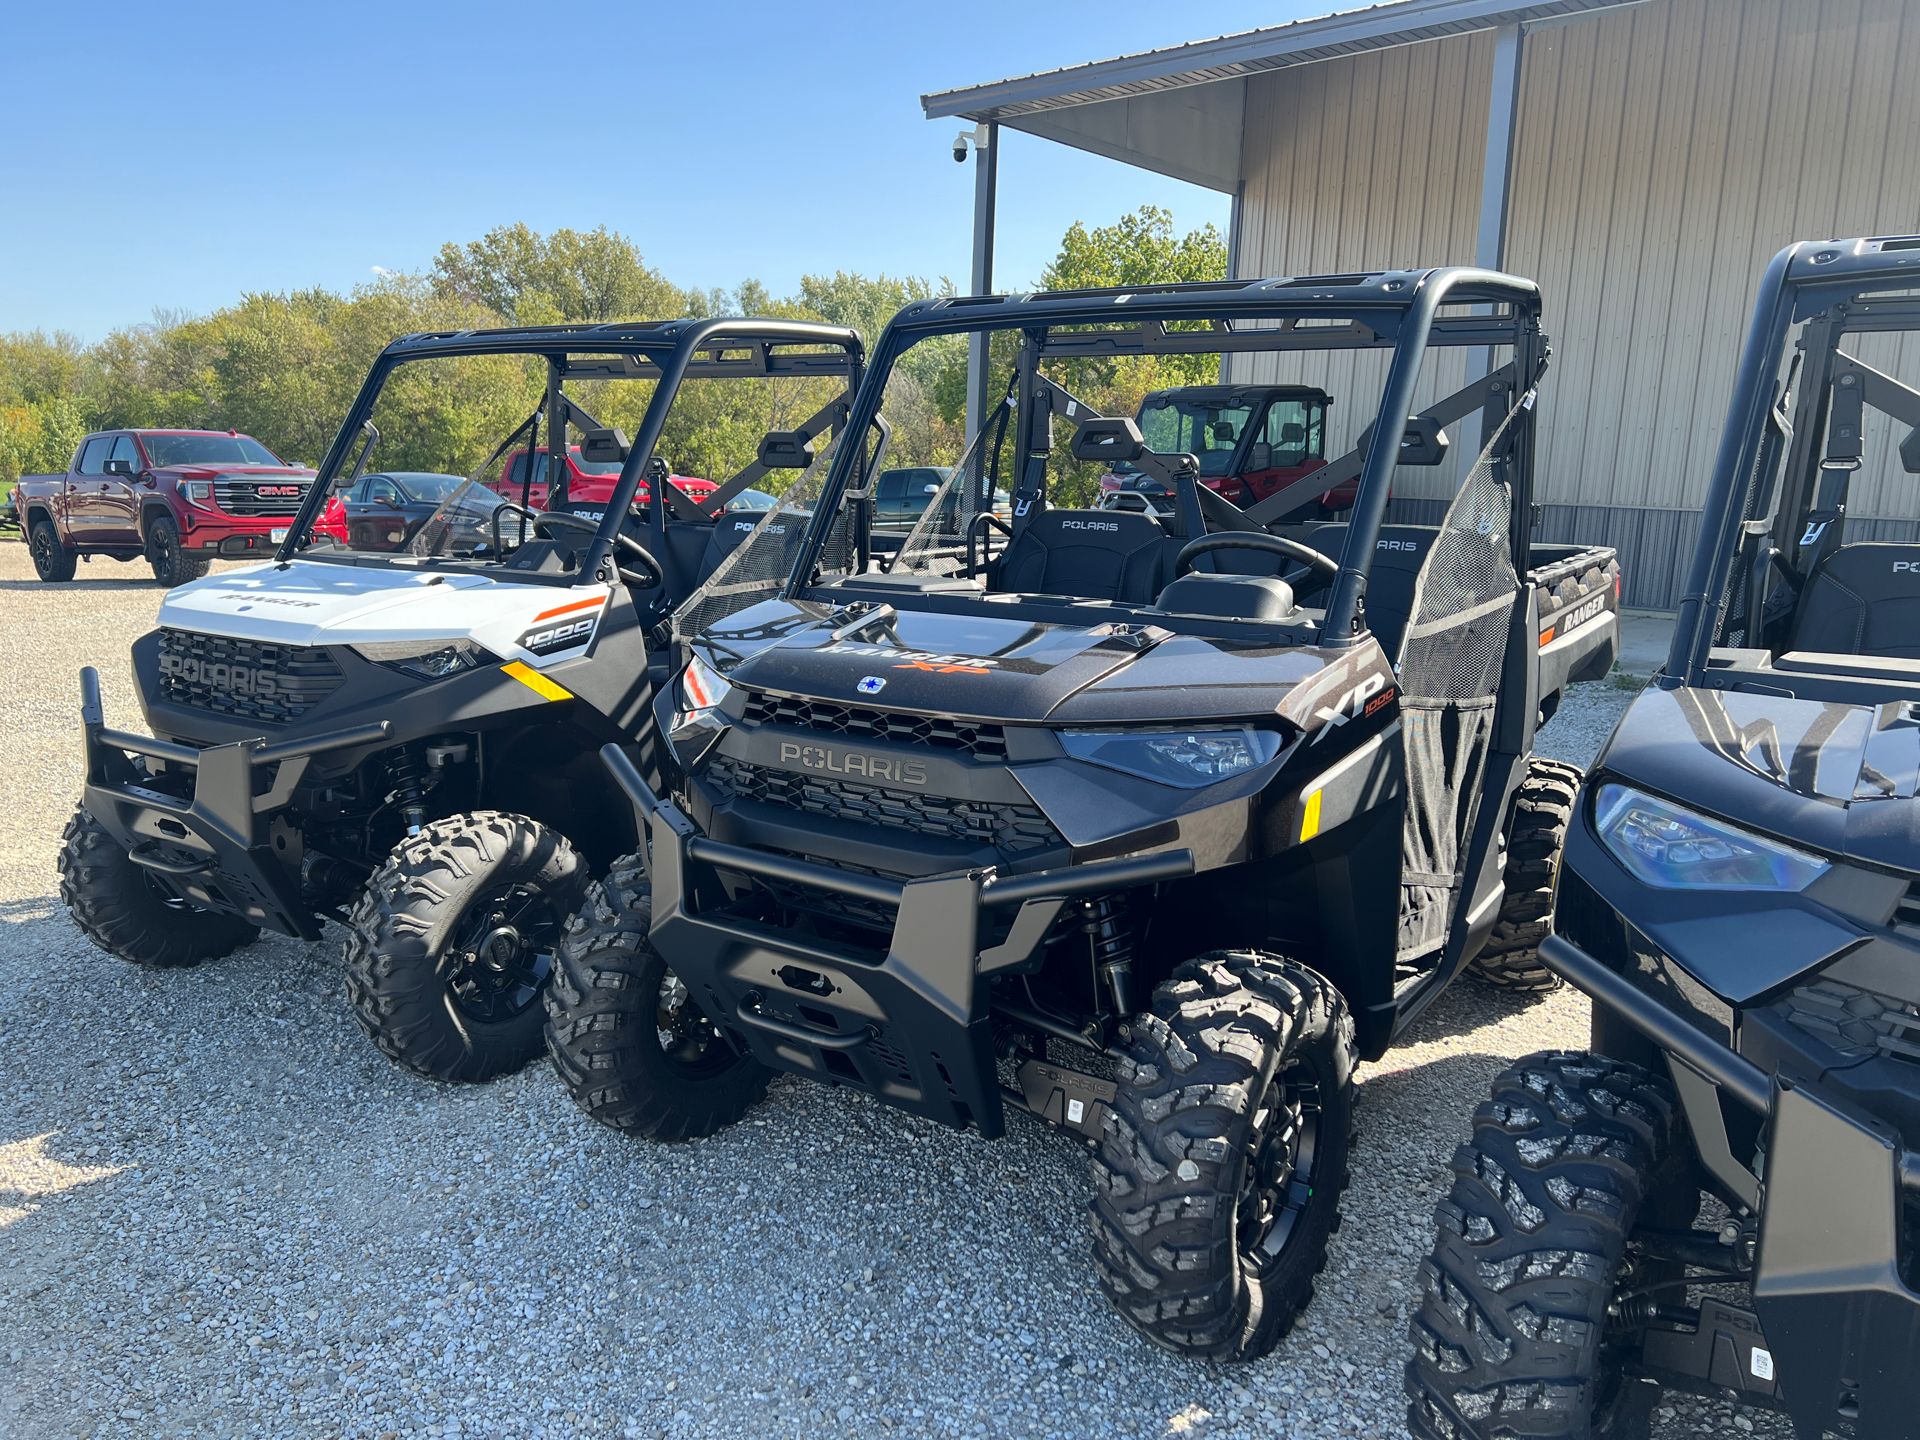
<point>993,668</point>
<point>315,603</point>
<point>1843,779</point>
<point>290,473</point>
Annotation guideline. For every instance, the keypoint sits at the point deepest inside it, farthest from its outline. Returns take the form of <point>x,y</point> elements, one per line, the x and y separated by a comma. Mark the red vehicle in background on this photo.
<point>588,482</point>
<point>175,498</point>
<point>1250,440</point>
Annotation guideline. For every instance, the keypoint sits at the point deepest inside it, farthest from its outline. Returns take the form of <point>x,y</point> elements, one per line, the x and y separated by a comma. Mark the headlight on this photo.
<point>428,659</point>
<point>1187,758</point>
<point>198,492</point>
<point>1673,848</point>
<point>701,688</point>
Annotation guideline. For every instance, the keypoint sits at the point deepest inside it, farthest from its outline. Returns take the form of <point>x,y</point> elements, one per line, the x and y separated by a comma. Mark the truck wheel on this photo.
<point>121,908</point>
<point>1218,1177</point>
<point>632,1048</point>
<point>1542,810</point>
<point>1513,1337</point>
<point>52,561</point>
<point>452,941</point>
<point>171,564</point>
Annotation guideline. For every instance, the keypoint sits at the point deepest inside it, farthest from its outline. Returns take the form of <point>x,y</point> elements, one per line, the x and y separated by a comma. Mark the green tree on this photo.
<point>570,275</point>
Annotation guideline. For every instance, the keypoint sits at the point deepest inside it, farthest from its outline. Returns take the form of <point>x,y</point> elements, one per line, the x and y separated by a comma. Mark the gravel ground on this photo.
<point>223,1213</point>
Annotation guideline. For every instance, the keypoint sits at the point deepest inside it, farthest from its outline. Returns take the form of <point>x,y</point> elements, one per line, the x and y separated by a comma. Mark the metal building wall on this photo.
<point>1662,154</point>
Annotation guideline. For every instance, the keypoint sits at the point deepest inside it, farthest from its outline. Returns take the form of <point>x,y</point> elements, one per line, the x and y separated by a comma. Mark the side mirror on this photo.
<point>122,468</point>
<point>1910,453</point>
<point>1108,439</point>
<point>931,490</point>
<point>605,447</point>
<point>785,450</point>
<point>1223,432</point>
<point>1423,443</point>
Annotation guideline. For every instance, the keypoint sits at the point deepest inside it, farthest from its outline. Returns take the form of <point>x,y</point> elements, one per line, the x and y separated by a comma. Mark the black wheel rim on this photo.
<point>687,1037</point>
<point>501,955</point>
<point>165,553</point>
<point>42,552</point>
<point>1283,1155</point>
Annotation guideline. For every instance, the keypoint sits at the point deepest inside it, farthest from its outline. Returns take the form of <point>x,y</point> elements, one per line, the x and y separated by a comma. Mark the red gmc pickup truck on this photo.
<point>177,498</point>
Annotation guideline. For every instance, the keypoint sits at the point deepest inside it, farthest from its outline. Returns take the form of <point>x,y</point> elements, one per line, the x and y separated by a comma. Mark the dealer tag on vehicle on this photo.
<point>277,534</point>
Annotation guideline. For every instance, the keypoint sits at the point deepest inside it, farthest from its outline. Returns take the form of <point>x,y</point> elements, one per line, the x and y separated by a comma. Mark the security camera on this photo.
<point>979,137</point>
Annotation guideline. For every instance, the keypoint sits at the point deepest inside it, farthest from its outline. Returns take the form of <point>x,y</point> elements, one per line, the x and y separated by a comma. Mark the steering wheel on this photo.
<point>649,579</point>
<point>1323,565</point>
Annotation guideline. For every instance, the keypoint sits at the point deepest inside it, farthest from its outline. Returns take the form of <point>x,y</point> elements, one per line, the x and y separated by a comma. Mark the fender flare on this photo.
<point>152,507</point>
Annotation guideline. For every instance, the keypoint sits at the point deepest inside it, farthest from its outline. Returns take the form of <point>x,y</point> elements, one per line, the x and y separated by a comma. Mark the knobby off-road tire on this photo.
<point>171,564</point>
<point>630,1045</point>
<point>52,561</point>
<point>121,908</point>
<point>452,941</point>
<point>1542,811</point>
<point>1218,1177</point>
<point>1511,1337</point>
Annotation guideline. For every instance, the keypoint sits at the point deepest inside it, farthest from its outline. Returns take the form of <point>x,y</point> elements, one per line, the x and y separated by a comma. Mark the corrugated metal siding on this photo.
<point>1372,161</point>
<point>1663,154</point>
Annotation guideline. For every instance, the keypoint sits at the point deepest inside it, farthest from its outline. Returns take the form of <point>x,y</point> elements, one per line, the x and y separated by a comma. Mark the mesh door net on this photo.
<point>1450,665</point>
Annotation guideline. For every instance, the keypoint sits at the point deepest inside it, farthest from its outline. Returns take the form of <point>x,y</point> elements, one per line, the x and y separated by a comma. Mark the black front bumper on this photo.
<point>213,847</point>
<point>1841,1324</point>
<point>908,1021</point>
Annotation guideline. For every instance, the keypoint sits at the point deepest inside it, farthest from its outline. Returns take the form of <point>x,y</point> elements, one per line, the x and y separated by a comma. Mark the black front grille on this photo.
<point>1906,915</point>
<point>983,742</point>
<point>1009,827</point>
<point>259,495</point>
<point>246,679</point>
<point>1855,1022</point>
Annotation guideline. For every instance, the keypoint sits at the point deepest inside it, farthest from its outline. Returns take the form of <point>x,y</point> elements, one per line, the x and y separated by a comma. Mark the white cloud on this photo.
<point>380,270</point>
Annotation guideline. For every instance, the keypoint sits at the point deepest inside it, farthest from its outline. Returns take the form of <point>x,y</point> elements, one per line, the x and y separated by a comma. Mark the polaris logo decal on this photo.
<point>919,659</point>
<point>1369,697</point>
<point>884,768</point>
<point>220,675</point>
<point>1906,567</point>
<point>1411,547</point>
<point>871,684</point>
<point>1089,525</point>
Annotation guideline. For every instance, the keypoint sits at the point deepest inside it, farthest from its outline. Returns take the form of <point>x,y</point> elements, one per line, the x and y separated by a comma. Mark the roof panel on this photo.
<point>1230,57</point>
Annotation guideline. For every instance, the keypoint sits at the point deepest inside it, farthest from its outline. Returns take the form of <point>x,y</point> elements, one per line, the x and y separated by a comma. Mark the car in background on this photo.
<point>901,496</point>
<point>1251,441</point>
<point>385,510</point>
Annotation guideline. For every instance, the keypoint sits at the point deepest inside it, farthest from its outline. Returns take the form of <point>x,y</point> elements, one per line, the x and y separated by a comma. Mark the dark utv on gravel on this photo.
<point>1148,826</point>
<point>1722,1195</point>
<point>401,732</point>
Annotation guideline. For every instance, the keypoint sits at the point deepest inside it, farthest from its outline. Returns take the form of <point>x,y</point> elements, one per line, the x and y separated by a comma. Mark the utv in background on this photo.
<point>1250,440</point>
<point>1723,1195</point>
<point>1148,827</point>
<point>400,732</point>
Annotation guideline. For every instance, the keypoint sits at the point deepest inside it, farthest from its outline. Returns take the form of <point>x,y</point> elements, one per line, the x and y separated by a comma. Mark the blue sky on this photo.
<point>174,157</point>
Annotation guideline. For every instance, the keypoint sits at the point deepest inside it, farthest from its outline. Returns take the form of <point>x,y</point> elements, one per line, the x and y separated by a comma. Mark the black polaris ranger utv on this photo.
<point>1724,1195</point>
<point>395,723</point>
<point>1147,826</point>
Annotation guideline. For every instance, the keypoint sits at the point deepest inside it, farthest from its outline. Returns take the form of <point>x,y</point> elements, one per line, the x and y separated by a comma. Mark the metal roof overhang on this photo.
<point>1179,111</point>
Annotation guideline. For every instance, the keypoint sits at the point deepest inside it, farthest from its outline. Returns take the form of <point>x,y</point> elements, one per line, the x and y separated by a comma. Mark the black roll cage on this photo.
<point>1832,284</point>
<point>1392,309</point>
<point>666,351</point>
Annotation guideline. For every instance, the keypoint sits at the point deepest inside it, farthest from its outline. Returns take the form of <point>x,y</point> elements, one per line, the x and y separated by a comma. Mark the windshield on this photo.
<point>168,450</point>
<point>435,467</point>
<point>1174,426</point>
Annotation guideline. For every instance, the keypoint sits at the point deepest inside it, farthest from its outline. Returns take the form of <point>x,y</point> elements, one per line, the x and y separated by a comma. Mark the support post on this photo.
<point>1234,213</point>
<point>1496,177</point>
<point>986,182</point>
